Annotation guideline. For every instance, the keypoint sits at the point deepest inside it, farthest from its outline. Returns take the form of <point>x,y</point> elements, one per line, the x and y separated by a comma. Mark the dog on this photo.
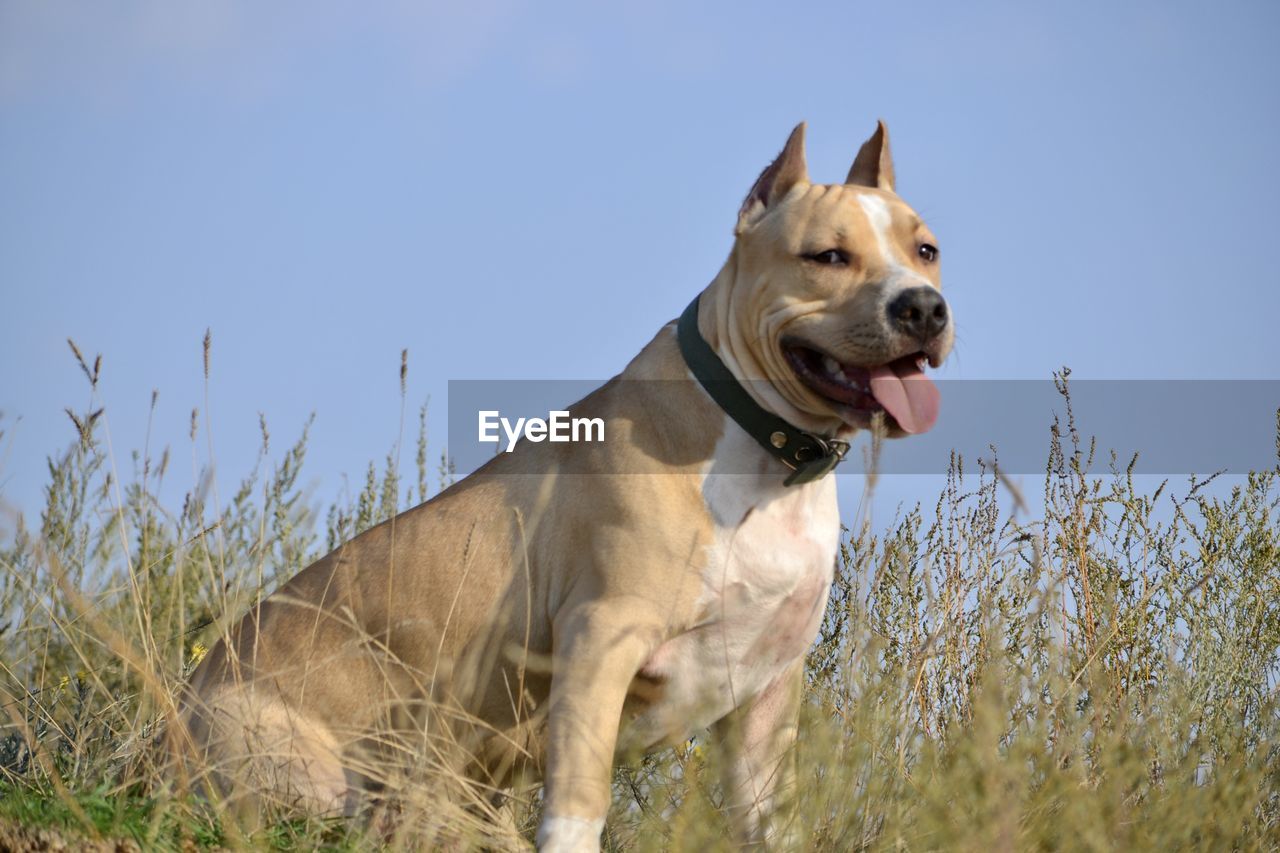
<point>568,604</point>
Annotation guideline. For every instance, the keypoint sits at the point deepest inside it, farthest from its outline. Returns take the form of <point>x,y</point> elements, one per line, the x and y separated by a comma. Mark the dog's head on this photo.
<point>835,294</point>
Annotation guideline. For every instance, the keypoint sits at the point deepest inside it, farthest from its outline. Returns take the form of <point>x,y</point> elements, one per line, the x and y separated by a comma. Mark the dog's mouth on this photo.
<point>857,392</point>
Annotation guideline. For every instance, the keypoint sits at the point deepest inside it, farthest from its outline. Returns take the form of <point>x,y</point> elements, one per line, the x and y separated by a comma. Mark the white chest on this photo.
<point>765,580</point>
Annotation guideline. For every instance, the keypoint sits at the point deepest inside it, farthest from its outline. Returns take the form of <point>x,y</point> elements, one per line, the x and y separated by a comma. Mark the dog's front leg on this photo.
<point>598,648</point>
<point>760,767</point>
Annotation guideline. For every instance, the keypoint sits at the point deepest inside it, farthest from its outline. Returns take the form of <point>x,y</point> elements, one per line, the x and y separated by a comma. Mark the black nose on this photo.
<point>920,312</point>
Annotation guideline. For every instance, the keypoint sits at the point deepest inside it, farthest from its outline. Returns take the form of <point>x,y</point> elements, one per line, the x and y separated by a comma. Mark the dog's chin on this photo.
<point>848,389</point>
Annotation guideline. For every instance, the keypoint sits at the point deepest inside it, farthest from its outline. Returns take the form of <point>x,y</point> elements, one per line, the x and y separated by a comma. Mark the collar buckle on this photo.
<point>815,458</point>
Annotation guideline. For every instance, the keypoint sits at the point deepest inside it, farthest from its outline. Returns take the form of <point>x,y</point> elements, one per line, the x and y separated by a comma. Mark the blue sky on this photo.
<point>521,190</point>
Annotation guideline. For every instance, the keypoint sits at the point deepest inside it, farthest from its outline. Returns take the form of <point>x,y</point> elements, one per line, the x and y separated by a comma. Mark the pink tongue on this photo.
<point>907,394</point>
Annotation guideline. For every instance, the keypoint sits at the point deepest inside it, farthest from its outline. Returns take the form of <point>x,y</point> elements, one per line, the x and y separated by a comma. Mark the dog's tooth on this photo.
<point>832,366</point>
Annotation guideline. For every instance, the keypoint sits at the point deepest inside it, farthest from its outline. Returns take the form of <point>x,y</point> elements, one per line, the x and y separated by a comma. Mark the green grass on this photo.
<point>105,813</point>
<point>1099,676</point>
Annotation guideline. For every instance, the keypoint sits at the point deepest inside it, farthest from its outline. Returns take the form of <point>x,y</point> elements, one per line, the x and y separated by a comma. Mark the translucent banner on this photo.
<point>1173,426</point>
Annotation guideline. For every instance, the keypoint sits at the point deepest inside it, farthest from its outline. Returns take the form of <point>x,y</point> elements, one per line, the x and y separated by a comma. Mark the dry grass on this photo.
<point>1100,676</point>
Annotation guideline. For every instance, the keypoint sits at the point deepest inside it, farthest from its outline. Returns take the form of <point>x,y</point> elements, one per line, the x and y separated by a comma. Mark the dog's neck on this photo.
<point>809,456</point>
<point>736,347</point>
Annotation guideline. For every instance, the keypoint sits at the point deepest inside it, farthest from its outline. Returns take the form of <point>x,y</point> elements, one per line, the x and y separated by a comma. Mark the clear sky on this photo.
<point>529,190</point>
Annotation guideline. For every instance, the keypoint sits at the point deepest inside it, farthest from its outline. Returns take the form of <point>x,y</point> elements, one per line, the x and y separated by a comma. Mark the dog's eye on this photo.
<point>928,251</point>
<point>829,257</point>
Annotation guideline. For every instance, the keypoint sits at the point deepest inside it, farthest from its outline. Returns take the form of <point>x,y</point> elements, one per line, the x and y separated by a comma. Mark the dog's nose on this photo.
<point>920,312</point>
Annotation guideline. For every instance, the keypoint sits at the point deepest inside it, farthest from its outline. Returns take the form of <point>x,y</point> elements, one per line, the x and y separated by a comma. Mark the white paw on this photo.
<point>569,834</point>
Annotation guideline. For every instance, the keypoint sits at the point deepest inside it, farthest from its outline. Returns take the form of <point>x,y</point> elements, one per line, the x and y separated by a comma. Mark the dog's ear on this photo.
<point>776,180</point>
<point>873,167</point>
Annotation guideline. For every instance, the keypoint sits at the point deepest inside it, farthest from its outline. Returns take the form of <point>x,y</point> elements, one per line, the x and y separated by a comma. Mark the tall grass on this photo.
<point>1099,676</point>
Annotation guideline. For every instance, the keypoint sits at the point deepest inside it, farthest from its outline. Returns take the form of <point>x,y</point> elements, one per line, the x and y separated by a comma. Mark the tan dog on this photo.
<point>678,595</point>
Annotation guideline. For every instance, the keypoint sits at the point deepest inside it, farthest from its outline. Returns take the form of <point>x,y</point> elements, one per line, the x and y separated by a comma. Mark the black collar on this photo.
<point>810,457</point>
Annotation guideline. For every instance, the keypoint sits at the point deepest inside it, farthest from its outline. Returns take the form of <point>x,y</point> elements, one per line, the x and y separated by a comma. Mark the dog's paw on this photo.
<point>569,835</point>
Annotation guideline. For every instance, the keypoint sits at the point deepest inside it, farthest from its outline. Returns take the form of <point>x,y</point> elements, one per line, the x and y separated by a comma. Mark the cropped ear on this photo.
<point>873,167</point>
<point>777,180</point>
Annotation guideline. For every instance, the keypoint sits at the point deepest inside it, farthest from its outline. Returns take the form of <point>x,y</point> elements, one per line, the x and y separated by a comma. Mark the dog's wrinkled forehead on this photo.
<point>837,216</point>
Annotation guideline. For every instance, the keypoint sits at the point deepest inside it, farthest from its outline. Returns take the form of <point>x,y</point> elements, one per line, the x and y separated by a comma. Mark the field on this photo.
<point>1099,676</point>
